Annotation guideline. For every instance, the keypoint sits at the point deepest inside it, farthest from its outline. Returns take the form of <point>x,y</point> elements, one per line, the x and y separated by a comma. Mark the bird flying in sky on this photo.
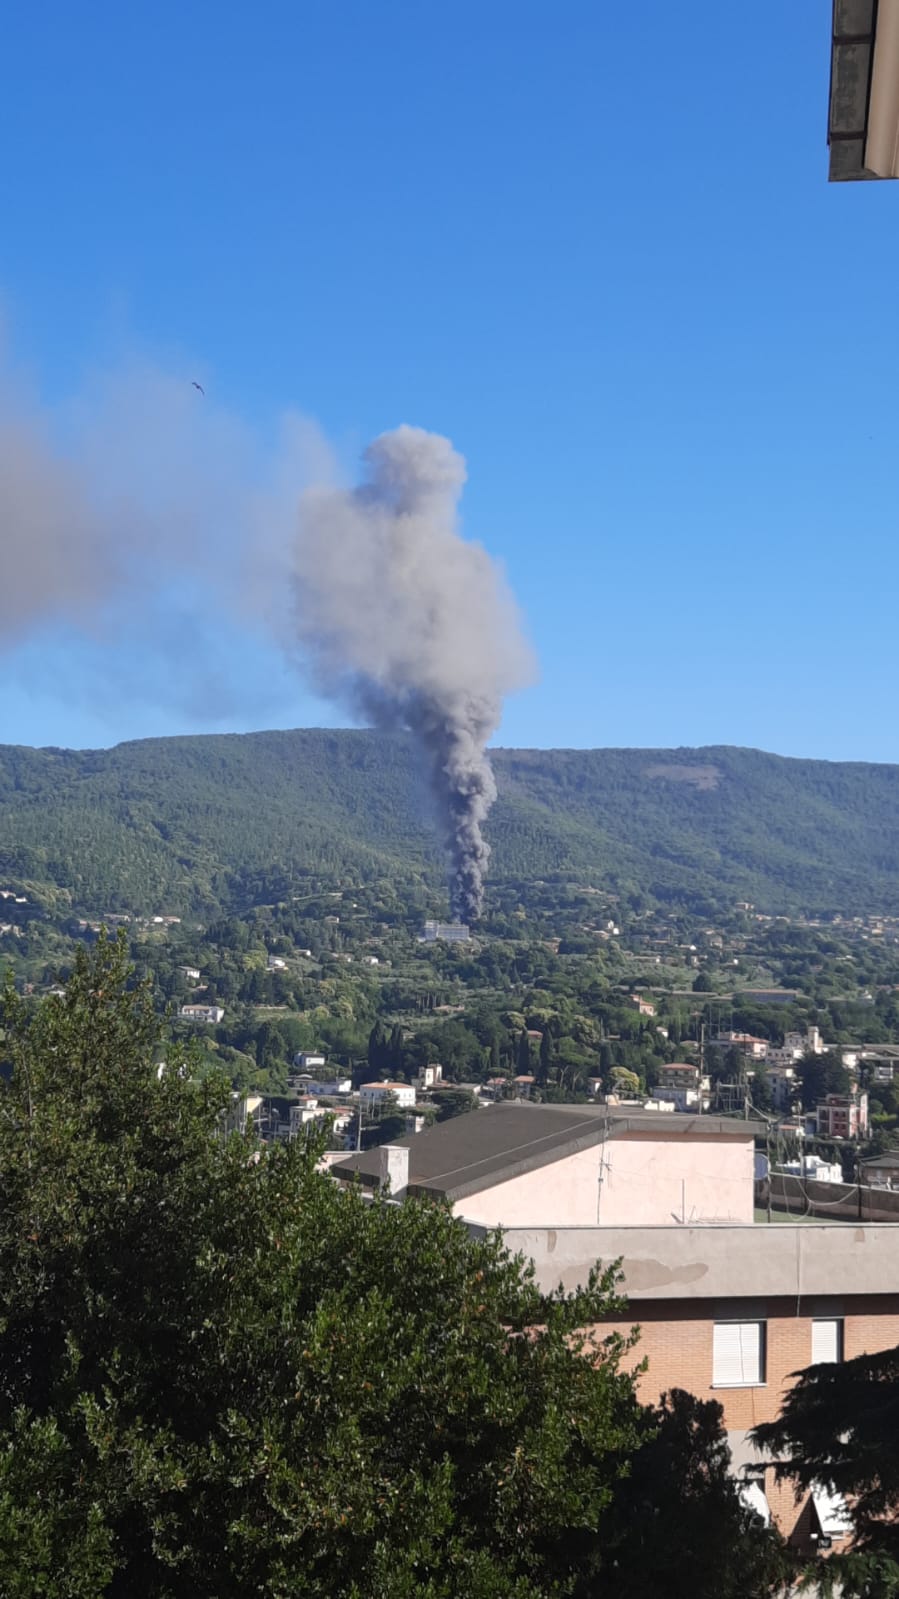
<point>198,386</point>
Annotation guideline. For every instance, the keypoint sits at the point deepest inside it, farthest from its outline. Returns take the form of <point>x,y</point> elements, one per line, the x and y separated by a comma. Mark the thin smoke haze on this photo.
<point>139,500</point>
<point>131,526</point>
<point>410,625</point>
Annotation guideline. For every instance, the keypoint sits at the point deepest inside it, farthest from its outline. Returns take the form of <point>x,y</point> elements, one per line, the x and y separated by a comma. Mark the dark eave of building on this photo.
<point>854,46</point>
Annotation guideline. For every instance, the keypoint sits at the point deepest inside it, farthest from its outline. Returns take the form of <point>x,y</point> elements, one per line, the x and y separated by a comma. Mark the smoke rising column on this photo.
<point>410,625</point>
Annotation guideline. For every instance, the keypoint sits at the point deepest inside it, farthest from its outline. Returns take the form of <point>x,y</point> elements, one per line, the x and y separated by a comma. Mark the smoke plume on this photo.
<point>411,625</point>
<point>156,530</point>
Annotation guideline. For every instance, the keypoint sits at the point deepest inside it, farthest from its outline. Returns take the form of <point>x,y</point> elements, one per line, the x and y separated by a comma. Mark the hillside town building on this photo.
<point>210,1014</point>
<point>374,1097</point>
<point>446,932</point>
<point>842,1116</point>
<point>681,1085</point>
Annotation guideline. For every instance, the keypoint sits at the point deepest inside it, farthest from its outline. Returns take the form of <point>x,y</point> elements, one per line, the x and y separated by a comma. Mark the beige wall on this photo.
<point>653,1182</point>
<point>646,1182</point>
<point>717,1262</point>
<point>564,1193</point>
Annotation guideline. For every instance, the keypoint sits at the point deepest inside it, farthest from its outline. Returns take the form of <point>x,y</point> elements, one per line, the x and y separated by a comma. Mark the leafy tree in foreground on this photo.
<point>221,1376</point>
<point>838,1426</point>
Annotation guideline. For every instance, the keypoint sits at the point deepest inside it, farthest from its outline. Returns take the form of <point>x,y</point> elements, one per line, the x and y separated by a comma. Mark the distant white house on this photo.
<point>645,1007</point>
<point>211,1014</point>
<point>784,1085</point>
<point>795,1046</point>
<point>325,1087</point>
<point>430,1076</point>
<point>191,972</point>
<point>245,1109</point>
<point>373,1096</point>
<point>680,1085</point>
<point>307,1111</point>
<point>276,964</point>
<point>813,1167</point>
<point>304,1111</point>
<point>370,960</point>
<point>308,1061</point>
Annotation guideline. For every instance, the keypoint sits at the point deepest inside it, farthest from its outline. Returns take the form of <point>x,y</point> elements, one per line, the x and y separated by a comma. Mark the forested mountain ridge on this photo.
<point>219,820</point>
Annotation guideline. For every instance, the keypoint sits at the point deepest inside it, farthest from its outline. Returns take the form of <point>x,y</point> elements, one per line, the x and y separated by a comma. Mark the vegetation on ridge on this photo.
<point>220,822</point>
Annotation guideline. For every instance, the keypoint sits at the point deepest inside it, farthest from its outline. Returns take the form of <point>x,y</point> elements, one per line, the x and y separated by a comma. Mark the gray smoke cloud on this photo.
<point>130,528</point>
<point>108,497</point>
<point>410,625</point>
<point>140,513</point>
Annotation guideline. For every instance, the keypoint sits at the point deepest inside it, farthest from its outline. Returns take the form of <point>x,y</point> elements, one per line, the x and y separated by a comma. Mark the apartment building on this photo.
<point>680,1085</point>
<point>728,1308</point>
<point>731,1313</point>
<point>842,1116</point>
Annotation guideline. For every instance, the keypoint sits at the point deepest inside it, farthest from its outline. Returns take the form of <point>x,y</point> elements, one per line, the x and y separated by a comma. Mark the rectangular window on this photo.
<point>827,1341</point>
<point>738,1354</point>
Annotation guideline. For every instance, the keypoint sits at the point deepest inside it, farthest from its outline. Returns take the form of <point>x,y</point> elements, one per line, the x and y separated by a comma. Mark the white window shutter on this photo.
<point>826,1341</point>
<point>737,1353</point>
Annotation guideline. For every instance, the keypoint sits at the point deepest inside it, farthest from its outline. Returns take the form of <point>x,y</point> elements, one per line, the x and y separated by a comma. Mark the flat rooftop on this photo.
<point>813,1261</point>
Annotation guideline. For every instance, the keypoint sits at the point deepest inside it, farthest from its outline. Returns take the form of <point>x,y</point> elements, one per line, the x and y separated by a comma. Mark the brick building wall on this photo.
<point>676,1341</point>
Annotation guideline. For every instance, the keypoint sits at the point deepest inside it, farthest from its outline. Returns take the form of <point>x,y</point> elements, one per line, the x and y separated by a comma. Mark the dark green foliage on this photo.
<point>688,1439</point>
<point>820,1075</point>
<point>220,1375</point>
<point>454,1102</point>
<point>546,1056</point>
<point>230,820</point>
<point>838,1426</point>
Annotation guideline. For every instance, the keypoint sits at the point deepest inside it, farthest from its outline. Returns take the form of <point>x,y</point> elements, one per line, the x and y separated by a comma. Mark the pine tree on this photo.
<point>378,1045</point>
<point>395,1052</point>
<point>546,1055</point>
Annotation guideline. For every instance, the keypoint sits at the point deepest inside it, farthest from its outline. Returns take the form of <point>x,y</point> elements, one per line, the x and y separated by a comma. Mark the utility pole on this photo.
<point>768,1155</point>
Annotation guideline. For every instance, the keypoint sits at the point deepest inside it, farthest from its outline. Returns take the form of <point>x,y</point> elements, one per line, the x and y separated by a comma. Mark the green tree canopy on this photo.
<point>221,1375</point>
<point>454,1102</point>
<point>838,1427</point>
<point>821,1075</point>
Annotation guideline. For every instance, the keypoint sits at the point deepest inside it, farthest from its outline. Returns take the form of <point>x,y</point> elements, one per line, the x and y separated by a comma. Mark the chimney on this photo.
<point>393,1170</point>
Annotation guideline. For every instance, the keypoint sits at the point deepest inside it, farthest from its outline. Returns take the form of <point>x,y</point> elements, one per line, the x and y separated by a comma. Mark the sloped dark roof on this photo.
<point>483,1147</point>
<point>888,1161</point>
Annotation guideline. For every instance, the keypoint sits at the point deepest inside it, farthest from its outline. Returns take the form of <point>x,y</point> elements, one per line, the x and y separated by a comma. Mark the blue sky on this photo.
<point>593,244</point>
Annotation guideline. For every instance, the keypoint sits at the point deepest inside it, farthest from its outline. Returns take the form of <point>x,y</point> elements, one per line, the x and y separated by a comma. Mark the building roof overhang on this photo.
<point>863,117</point>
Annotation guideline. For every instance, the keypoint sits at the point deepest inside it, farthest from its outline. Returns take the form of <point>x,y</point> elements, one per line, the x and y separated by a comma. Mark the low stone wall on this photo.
<point>803,1196</point>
